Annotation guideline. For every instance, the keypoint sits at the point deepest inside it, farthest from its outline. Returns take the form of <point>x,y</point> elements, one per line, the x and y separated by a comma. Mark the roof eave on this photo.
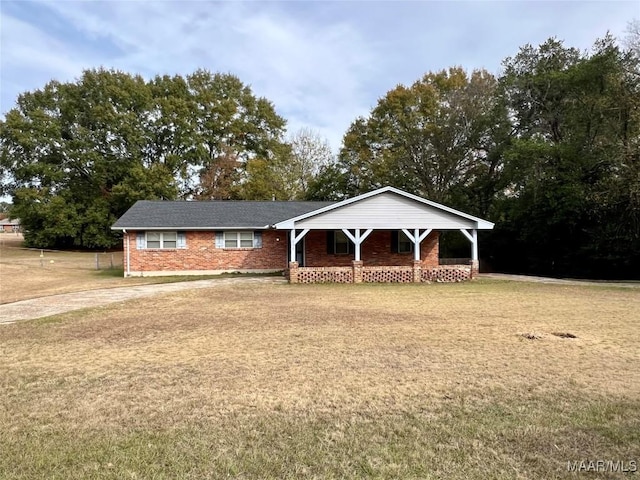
<point>484,225</point>
<point>189,229</point>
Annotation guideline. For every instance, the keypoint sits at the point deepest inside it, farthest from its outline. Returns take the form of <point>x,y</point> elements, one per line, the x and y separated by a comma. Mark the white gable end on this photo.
<point>387,211</point>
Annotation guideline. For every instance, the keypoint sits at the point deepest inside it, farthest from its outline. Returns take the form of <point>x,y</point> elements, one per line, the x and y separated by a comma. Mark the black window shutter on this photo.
<point>331,246</point>
<point>394,241</point>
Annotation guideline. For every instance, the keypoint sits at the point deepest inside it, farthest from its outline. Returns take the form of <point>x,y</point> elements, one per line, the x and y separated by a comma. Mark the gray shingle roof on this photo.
<point>150,214</point>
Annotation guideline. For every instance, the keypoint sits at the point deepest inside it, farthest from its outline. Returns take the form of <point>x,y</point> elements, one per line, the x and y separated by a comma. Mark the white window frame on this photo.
<point>402,238</point>
<point>238,238</point>
<point>162,240</point>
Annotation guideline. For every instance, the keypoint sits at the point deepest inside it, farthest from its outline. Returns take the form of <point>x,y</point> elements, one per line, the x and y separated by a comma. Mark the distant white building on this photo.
<point>10,225</point>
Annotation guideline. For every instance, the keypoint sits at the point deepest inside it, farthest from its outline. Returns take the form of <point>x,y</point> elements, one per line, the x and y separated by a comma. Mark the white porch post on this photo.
<point>473,238</point>
<point>417,239</point>
<point>474,245</point>
<point>292,242</point>
<point>357,239</point>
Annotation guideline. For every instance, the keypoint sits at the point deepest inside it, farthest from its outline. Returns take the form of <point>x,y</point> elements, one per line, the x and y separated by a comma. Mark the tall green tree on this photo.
<point>229,121</point>
<point>440,138</point>
<point>572,165</point>
<point>294,166</point>
<point>75,156</point>
<point>73,152</point>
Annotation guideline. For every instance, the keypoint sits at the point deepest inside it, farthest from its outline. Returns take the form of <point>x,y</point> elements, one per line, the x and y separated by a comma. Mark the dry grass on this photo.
<point>24,274</point>
<point>283,381</point>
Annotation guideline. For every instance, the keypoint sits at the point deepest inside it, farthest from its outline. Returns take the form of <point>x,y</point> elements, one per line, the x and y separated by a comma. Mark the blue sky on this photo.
<point>322,64</point>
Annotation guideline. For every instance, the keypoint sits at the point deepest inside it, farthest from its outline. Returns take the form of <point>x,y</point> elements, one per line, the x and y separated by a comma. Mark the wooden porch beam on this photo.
<point>349,236</point>
<point>416,237</point>
<point>467,234</point>
<point>357,239</point>
<point>302,234</point>
<point>364,236</point>
<point>425,234</point>
<point>473,238</point>
<point>294,241</point>
<point>409,235</point>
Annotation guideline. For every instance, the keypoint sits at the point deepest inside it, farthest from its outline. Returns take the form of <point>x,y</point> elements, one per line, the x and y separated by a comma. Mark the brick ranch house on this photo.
<point>386,235</point>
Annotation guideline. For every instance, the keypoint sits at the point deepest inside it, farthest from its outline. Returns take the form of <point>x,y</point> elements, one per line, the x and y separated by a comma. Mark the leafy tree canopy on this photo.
<point>573,162</point>
<point>439,138</point>
<point>75,156</point>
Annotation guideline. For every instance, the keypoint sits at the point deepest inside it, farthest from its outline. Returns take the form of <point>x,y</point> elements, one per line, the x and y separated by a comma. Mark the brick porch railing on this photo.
<point>358,273</point>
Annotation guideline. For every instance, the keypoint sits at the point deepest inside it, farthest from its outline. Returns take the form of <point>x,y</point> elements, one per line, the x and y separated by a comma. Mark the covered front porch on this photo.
<point>382,236</point>
<point>373,256</point>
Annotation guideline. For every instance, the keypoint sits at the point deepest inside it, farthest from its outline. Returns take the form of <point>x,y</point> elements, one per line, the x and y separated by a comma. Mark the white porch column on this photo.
<point>294,241</point>
<point>417,239</point>
<point>474,245</point>
<point>473,238</point>
<point>357,239</point>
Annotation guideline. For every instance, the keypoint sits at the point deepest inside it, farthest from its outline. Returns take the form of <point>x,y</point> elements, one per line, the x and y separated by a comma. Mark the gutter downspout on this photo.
<point>127,272</point>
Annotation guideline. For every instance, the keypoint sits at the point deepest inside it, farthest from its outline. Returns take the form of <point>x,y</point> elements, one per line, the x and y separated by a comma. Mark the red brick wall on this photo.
<point>374,251</point>
<point>201,254</point>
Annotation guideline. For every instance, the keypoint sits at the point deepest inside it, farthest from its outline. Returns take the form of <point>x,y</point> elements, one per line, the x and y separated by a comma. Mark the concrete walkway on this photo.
<point>66,302</point>
<point>558,281</point>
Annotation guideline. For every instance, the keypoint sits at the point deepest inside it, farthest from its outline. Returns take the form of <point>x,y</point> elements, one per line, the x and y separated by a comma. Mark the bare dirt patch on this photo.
<point>564,334</point>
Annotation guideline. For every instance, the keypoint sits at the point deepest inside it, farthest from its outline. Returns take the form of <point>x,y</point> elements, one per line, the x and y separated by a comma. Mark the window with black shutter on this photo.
<point>338,243</point>
<point>400,243</point>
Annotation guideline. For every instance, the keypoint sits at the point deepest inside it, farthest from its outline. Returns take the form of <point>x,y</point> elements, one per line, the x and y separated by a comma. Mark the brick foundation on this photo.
<point>447,273</point>
<point>475,268</point>
<point>389,274</point>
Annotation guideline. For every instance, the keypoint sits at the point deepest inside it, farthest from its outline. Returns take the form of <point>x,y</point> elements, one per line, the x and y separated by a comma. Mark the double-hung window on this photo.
<point>162,239</point>
<point>338,243</point>
<point>238,240</point>
<point>400,243</point>
<point>404,244</point>
<point>341,243</point>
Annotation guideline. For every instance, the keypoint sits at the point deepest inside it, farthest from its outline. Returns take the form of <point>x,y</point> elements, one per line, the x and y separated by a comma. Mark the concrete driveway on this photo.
<point>66,302</point>
<point>558,281</point>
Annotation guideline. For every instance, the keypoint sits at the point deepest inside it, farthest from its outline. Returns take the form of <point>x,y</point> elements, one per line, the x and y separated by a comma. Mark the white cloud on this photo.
<point>29,58</point>
<point>321,63</point>
<point>311,72</point>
